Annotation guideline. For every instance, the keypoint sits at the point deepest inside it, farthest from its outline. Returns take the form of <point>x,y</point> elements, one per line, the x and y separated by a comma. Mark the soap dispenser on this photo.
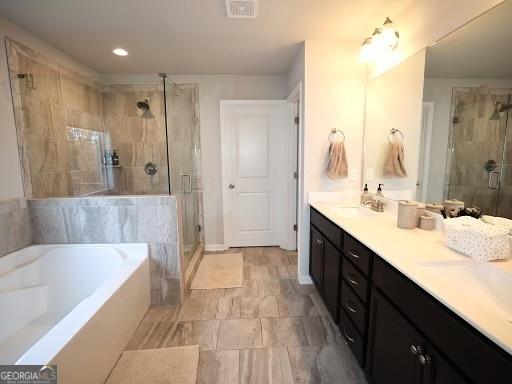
<point>365,196</point>
<point>379,190</point>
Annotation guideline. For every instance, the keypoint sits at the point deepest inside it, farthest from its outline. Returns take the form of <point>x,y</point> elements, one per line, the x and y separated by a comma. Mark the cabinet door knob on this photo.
<point>424,359</point>
<point>231,186</point>
<point>319,241</point>
<point>415,349</point>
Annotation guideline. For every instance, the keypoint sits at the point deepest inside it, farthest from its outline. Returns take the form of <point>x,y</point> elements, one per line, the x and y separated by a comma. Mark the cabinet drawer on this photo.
<point>354,307</point>
<point>352,337</point>
<point>355,279</point>
<point>328,228</point>
<point>357,253</point>
<point>467,349</point>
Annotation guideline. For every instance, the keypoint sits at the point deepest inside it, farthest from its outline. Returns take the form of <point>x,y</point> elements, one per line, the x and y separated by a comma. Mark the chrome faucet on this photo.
<point>375,205</point>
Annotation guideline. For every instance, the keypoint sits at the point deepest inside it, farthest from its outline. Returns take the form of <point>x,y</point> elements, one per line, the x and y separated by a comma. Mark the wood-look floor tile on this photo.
<point>162,313</point>
<point>265,366</point>
<point>319,304</point>
<point>240,334</point>
<point>283,332</point>
<point>329,364</point>
<point>218,367</point>
<point>202,332</point>
<point>254,307</point>
<point>320,330</point>
<point>151,335</point>
<point>296,305</point>
<point>249,288</point>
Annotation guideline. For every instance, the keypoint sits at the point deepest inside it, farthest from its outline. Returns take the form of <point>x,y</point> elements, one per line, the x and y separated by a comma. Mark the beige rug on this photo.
<point>221,270</point>
<point>157,366</point>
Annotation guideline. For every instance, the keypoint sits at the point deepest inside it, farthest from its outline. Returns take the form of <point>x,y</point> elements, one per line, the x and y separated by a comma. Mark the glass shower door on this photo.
<point>184,159</point>
<point>476,147</point>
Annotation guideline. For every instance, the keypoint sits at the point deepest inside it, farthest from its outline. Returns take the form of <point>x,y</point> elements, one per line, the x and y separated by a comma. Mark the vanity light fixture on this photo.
<point>120,52</point>
<point>383,41</point>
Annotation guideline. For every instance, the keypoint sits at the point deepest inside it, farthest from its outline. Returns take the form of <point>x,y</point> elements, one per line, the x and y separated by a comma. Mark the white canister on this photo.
<point>434,208</point>
<point>427,222</point>
<point>453,204</point>
<point>420,211</point>
<point>407,215</point>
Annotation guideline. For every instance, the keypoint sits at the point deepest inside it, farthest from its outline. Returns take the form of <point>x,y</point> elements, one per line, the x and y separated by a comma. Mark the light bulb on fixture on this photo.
<point>120,52</point>
<point>366,53</point>
<point>389,34</point>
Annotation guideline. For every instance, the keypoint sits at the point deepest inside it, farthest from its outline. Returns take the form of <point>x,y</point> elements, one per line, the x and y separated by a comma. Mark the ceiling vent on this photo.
<point>242,9</point>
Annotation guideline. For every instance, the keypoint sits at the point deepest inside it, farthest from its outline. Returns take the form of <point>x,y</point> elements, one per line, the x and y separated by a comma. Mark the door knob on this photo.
<point>231,186</point>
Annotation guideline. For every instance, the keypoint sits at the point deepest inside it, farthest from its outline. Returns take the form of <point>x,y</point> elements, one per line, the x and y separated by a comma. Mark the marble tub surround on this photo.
<point>15,227</point>
<point>448,276</point>
<point>130,219</point>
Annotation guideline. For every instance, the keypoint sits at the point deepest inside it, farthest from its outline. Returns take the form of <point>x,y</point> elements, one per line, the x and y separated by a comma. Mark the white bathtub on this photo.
<point>72,305</point>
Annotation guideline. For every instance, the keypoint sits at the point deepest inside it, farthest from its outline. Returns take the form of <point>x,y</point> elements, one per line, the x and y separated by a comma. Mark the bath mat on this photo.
<point>219,270</point>
<point>176,365</point>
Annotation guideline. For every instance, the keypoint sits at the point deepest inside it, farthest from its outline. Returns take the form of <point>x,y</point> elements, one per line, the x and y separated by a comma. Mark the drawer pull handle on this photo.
<point>350,306</point>
<point>416,349</point>
<point>353,253</point>
<point>352,279</point>
<point>350,339</point>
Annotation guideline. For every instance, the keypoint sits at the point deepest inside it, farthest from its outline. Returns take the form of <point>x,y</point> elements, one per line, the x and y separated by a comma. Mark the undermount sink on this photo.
<point>480,281</point>
<point>354,212</point>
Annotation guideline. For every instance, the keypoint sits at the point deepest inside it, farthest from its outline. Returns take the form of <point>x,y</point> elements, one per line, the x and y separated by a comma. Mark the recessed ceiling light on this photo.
<point>120,52</point>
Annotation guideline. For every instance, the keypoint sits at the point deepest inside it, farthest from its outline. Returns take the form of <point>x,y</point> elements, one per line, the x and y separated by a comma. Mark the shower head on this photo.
<point>144,107</point>
<point>498,108</point>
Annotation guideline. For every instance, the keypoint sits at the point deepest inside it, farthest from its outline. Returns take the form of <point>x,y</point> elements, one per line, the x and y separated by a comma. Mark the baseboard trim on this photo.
<point>215,247</point>
<point>305,279</point>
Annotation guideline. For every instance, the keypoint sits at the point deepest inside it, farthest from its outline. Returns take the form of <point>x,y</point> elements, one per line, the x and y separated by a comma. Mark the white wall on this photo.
<point>394,100</point>
<point>439,91</point>
<point>212,89</point>
<point>334,85</point>
<point>10,170</point>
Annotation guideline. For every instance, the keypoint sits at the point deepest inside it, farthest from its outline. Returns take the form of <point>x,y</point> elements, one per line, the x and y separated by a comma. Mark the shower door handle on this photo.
<point>494,180</point>
<point>189,189</point>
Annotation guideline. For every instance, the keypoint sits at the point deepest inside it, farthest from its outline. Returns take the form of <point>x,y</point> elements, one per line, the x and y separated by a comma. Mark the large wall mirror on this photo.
<point>438,125</point>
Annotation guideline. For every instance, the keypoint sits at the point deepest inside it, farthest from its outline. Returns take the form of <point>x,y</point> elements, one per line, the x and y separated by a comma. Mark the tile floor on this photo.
<point>272,330</point>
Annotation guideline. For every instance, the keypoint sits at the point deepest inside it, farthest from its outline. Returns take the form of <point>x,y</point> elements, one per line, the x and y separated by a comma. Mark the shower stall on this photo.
<point>479,158</point>
<point>79,136</point>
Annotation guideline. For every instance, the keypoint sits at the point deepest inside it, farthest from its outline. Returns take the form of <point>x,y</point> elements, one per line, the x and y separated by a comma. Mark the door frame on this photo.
<point>281,187</point>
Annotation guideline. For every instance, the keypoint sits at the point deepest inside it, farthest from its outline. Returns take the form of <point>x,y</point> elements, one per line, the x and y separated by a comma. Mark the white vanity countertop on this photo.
<point>479,292</point>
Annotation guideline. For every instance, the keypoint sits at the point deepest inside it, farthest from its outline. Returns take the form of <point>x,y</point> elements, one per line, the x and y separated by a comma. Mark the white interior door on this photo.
<point>252,171</point>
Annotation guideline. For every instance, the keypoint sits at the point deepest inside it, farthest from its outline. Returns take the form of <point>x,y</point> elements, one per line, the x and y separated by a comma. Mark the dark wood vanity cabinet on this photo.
<point>397,332</point>
<point>325,261</point>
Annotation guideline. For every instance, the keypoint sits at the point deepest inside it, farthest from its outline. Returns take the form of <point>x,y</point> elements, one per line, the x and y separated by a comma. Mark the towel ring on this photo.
<point>333,133</point>
<point>394,131</point>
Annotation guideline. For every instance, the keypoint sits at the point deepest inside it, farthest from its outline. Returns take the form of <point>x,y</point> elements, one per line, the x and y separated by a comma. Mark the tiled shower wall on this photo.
<point>65,122</point>
<point>60,125</point>
<point>131,219</point>
<point>15,228</point>
<point>137,140</point>
<point>474,139</point>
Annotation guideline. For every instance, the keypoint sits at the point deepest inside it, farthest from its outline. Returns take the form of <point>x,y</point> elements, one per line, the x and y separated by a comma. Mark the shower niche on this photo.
<point>78,136</point>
